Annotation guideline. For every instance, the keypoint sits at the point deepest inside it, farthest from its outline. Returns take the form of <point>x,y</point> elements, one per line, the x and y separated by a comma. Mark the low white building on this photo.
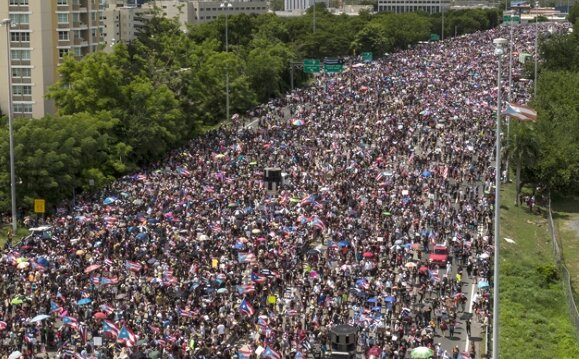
<point>428,6</point>
<point>300,6</point>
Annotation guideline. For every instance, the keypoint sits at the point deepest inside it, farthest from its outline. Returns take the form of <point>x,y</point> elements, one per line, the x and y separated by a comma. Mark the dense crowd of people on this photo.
<point>194,257</point>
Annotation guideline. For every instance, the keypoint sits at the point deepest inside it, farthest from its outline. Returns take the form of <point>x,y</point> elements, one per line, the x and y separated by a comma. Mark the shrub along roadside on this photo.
<point>534,316</point>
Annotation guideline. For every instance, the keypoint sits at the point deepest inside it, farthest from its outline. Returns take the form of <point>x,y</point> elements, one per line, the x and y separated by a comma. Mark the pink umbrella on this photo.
<point>92,268</point>
<point>100,315</point>
<point>368,255</point>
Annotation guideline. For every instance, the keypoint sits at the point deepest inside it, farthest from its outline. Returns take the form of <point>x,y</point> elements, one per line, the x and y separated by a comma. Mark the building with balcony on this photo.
<point>42,33</point>
<point>428,6</point>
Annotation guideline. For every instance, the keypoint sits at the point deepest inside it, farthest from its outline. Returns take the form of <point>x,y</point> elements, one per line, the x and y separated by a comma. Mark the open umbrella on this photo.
<point>390,299</point>
<point>297,122</point>
<point>368,255</point>
<point>100,315</point>
<point>222,291</point>
<point>423,269</point>
<point>421,352</point>
<point>426,173</point>
<point>92,268</point>
<point>410,265</point>
<point>84,301</point>
<point>39,317</point>
<point>109,200</point>
<point>15,355</point>
<point>483,284</point>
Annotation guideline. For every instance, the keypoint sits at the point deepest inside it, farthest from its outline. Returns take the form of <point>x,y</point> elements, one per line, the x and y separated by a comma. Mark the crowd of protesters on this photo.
<point>194,257</point>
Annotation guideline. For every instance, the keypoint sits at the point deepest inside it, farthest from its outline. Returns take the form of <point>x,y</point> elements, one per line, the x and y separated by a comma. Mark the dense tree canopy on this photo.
<point>547,152</point>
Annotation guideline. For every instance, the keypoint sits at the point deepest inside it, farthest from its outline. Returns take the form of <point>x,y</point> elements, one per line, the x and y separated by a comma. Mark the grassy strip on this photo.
<point>566,216</point>
<point>534,317</point>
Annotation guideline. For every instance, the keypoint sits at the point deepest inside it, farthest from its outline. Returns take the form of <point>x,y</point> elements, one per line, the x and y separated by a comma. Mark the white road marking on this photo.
<point>473,288</point>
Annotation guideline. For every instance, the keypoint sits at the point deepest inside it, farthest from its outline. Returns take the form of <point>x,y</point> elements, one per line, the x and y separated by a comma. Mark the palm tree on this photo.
<point>523,151</point>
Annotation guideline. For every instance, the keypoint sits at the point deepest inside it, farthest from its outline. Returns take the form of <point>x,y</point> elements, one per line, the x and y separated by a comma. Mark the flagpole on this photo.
<point>499,43</point>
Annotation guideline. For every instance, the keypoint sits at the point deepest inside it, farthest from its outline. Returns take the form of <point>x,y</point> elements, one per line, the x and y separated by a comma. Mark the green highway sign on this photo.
<point>434,37</point>
<point>366,56</point>
<point>332,65</point>
<point>311,66</point>
<point>512,18</point>
<point>331,68</point>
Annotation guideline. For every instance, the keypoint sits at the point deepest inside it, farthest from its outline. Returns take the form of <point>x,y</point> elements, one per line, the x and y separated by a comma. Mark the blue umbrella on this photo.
<point>343,244</point>
<point>42,261</point>
<point>376,309</point>
<point>390,299</point>
<point>357,292</point>
<point>84,301</point>
<point>39,317</point>
<point>483,284</point>
<point>426,173</point>
<point>142,236</point>
<point>239,245</point>
<point>372,300</point>
<point>109,200</point>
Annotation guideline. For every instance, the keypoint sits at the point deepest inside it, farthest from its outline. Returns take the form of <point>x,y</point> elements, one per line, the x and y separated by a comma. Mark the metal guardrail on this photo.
<point>573,312</point>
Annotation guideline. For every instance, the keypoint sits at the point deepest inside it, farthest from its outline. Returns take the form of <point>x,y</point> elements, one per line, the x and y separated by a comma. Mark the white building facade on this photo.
<point>427,6</point>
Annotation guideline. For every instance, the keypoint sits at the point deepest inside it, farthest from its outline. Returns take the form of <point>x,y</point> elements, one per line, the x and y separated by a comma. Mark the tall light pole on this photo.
<point>536,54</point>
<point>509,95</point>
<point>226,5</point>
<point>6,23</point>
<point>314,25</point>
<point>499,43</point>
<point>442,10</point>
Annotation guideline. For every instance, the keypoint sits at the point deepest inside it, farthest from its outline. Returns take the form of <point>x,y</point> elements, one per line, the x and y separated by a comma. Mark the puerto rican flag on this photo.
<point>520,112</point>
<point>55,308</point>
<point>258,278</point>
<point>109,280</point>
<point>215,227</point>
<point>246,257</point>
<point>317,223</point>
<point>185,313</point>
<point>245,288</point>
<point>269,353</point>
<point>308,199</point>
<point>133,266</point>
<point>106,308</point>
<point>108,262</point>
<point>183,172</point>
<point>70,321</point>
<point>110,327</point>
<point>244,353</point>
<point>127,336</point>
<point>246,308</point>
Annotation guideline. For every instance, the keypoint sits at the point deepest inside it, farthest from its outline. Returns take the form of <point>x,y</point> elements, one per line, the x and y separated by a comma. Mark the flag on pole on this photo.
<point>520,112</point>
<point>246,308</point>
<point>127,336</point>
<point>110,327</point>
<point>269,353</point>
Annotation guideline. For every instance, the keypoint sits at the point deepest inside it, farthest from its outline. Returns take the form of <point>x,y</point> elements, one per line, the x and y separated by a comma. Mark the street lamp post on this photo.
<point>226,5</point>
<point>509,94</point>
<point>499,43</point>
<point>536,54</point>
<point>6,23</point>
<point>314,25</point>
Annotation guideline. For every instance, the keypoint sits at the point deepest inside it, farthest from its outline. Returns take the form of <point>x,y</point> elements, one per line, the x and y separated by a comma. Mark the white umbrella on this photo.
<point>39,317</point>
<point>15,355</point>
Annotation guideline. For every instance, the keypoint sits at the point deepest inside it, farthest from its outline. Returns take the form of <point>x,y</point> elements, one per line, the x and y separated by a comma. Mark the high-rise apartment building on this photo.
<point>42,32</point>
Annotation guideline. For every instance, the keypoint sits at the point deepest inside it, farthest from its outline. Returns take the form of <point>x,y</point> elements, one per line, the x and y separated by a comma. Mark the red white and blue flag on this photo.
<point>269,353</point>
<point>110,327</point>
<point>127,336</point>
<point>246,308</point>
<point>133,266</point>
<point>245,288</point>
<point>520,112</point>
<point>246,257</point>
